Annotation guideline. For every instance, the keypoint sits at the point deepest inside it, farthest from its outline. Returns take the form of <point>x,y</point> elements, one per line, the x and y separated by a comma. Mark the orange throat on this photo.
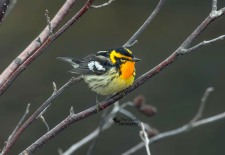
<point>127,70</point>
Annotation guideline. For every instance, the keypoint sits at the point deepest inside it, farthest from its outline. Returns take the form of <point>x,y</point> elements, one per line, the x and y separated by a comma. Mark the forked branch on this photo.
<point>38,113</point>
<point>194,123</point>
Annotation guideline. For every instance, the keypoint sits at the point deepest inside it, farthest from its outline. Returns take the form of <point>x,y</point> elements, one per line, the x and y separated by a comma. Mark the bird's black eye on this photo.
<point>123,59</point>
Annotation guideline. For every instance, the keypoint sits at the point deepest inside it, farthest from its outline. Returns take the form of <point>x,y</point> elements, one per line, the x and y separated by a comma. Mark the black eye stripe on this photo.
<point>124,59</point>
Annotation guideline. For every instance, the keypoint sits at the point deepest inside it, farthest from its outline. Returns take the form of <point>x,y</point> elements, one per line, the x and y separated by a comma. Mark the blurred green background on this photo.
<point>176,91</point>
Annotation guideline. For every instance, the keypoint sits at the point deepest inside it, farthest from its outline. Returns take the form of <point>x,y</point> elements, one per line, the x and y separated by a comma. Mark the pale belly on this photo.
<point>108,85</point>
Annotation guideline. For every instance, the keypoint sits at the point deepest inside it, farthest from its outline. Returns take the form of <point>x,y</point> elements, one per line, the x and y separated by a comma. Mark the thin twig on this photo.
<point>35,48</point>
<point>214,5</point>
<point>71,110</point>
<point>106,103</point>
<point>132,44</point>
<point>202,104</point>
<point>108,123</point>
<point>204,43</point>
<point>129,114</point>
<point>131,41</point>
<point>36,114</point>
<point>102,5</point>
<point>144,136</point>
<point>45,44</point>
<point>52,96</point>
<point>54,88</point>
<point>82,142</point>
<point>5,77</point>
<point>100,129</point>
<point>44,121</point>
<point>18,125</point>
<point>184,129</point>
<point>21,121</point>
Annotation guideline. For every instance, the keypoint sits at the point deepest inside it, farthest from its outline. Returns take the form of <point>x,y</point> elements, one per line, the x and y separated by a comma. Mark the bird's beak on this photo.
<point>136,59</point>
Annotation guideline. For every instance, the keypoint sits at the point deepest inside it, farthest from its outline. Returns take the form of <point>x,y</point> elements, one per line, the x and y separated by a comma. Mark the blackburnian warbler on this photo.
<point>106,72</point>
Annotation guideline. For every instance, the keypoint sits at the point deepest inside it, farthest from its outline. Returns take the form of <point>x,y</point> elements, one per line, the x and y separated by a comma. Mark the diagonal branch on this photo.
<point>6,77</point>
<point>39,111</point>
<point>145,139</point>
<point>102,5</point>
<point>184,129</point>
<point>214,5</point>
<point>187,127</point>
<point>16,128</point>
<point>202,104</point>
<point>19,123</point>
<point>107,123</point>
<point>207,42</point>
<point>38,45</point>
<point>133,39</point>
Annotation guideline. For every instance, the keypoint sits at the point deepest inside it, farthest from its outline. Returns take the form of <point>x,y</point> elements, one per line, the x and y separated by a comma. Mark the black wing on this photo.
<point>89,65</point>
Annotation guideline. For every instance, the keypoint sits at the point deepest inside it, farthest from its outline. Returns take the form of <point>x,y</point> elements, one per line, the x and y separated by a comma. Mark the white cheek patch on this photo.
<point>91,65</point>
<point>98,66</point>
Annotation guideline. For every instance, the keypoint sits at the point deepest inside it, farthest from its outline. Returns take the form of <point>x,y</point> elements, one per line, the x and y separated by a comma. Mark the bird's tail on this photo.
<point>74,62</point>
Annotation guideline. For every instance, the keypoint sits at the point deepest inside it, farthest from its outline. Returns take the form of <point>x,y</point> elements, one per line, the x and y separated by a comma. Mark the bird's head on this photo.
<point>123,59</point>
<point>119,56</point>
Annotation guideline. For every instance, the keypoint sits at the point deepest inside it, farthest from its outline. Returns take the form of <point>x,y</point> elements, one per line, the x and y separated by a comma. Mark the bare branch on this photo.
<point>44,121</point>
<point>18,125</point>
<point>82,142</point>
<point>71,110</point>
<point>204,43</point>
<point>144,137</point>
<point>22,119</point>
<point>35,48</point>
<point>102,5</point>
<point>214,5</point>
<point>34,45</point>
<point>131,41</point>
<point>37,113</point>
<point>132,44</point>
<point>52,96</point>
<point>202,104</point>
<point>108,123</point>
<point>184,129</point>
<point>102,122</point>
<point>54,88</point>
<point>20,122</point>
<point>128,114</point>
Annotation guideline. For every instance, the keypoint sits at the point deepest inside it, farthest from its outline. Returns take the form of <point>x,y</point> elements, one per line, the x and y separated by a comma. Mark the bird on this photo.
<point>106,72</point>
